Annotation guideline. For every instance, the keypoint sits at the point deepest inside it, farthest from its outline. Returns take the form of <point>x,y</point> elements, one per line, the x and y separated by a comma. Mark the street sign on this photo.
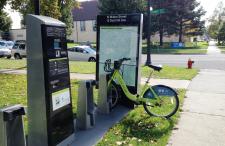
<point>158,11</point>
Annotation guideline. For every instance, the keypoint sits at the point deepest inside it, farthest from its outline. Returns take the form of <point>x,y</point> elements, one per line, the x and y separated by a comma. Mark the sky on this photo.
<point>208,5</point>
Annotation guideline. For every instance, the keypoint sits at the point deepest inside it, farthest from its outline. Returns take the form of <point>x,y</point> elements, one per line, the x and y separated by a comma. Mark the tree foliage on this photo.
<point>216,22</point>
<point>221,34</point>
<point>121,6</point>
<point>182,17</point>
<point>58,9</point>
<point>5,21</point>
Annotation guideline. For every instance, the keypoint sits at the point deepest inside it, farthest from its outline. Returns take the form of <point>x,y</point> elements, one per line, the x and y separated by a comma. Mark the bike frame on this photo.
<point>134,97</point>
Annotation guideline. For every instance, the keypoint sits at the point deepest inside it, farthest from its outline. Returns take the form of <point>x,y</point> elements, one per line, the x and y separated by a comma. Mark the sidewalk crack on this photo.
<point>215,115</point>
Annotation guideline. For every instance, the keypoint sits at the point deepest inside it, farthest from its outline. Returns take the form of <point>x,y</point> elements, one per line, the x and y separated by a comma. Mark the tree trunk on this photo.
<point>181,32</point>
<point>161,36</point>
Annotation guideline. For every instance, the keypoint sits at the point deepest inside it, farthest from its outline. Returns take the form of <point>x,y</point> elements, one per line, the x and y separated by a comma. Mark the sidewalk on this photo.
<point>178,84</point>
<point>202,121</point>
<point>213,49</point>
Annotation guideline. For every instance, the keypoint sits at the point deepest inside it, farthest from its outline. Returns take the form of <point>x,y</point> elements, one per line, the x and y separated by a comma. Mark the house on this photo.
<point>84,19</point>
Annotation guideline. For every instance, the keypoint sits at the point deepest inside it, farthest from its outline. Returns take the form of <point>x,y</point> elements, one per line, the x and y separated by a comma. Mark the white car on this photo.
<point>5,50</point>
<point>82,53</point>
<point>19,50</point>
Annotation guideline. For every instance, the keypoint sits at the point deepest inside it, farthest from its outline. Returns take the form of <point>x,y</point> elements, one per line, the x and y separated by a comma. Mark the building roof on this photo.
<point>88,10</point>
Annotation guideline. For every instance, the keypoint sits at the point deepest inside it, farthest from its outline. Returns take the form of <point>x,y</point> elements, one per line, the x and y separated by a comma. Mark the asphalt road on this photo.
<point>214,60</point>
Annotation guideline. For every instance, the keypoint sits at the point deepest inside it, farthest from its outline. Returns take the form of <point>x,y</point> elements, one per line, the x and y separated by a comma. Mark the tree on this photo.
<point>185,16</point>
<point>121,6</point>
<point>216,21</point>
<point>5,21</point>
<point>58,9</point>
<point>66,7</point>
<point>126,7</point>
<point>221,34</point>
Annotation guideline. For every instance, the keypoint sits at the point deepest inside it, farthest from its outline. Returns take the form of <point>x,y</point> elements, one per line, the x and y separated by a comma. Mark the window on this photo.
<point>94,25</point>
<point>82,26</point>
<point>79,50</point>
<point>22,47</point>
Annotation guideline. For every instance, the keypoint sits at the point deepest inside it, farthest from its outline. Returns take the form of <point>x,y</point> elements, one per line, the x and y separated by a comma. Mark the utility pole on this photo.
<point>36,7</point>
<point>148,61</point>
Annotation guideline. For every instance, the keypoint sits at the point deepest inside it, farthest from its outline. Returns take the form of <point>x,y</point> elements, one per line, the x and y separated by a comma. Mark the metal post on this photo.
<point>36,7</point>
<point>148,61</point>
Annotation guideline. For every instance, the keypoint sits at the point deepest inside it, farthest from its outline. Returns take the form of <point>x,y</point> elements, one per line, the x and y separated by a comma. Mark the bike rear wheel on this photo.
<point>164,105</point>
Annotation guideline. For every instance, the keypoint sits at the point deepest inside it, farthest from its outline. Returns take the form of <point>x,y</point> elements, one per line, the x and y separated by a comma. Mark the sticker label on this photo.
<point>60,99</point>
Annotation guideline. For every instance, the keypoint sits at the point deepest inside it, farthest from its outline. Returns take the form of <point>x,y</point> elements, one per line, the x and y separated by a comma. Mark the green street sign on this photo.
<point>158,11</point>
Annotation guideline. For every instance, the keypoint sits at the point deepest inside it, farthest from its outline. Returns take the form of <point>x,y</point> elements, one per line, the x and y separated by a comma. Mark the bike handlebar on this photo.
<point>124,59</point>
<point>117,64</point>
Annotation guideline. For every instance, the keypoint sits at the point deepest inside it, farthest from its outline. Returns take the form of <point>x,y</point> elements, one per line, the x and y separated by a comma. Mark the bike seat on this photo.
<point>156,68</point>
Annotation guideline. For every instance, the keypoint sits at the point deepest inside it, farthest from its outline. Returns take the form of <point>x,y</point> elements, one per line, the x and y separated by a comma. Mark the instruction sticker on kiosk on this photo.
<point>60,99</point>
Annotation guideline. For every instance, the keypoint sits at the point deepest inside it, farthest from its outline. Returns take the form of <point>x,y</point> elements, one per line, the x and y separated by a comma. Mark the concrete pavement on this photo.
<point>213,49</point>
<point>202,121</point>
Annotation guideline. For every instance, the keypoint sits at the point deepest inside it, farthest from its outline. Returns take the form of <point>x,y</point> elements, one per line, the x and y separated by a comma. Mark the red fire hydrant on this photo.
<point>190,63</point>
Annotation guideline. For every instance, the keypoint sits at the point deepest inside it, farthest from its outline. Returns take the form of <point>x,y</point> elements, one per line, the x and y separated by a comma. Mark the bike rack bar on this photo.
<point>104,103</point>
<point>11,126</point>
<point>86,109</point>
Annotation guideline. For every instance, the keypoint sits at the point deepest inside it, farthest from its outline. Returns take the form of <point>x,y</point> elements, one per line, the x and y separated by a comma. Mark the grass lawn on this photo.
<point>14,91</point>
<point>12,64</point>
<point>75,66</point>
<point>89,68</point>
<point>190,48</point>
<point>139,129</point>
<point>169,72</point>
<point>82,67</point>
<point>69,45</point>
<point>222,48</point>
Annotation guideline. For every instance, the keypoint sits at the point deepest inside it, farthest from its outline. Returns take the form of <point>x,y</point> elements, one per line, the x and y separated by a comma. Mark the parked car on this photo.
<point>82,53</point>
<point>5,49</point>
<point>19,50</point>
<point>10,44</point>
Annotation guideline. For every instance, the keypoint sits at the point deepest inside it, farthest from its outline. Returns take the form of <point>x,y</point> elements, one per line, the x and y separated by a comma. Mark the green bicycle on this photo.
<point>158,100</point>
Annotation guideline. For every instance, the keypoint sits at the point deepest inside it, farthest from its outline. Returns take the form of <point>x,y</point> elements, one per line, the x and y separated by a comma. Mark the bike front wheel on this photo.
<point>113,94</point>
<point>165,104</point>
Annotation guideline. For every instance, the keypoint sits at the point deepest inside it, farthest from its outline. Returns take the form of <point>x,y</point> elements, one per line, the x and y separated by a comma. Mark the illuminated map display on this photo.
<point>117,42</point>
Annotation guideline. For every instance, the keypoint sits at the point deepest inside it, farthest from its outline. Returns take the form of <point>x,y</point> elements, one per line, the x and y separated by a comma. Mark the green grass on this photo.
<point>14,91</point>
<point>82,67</point>
<point>190,48</point>
<point>69,45</point>
<point>75,66</point>
<point>12,64</point>
<point>169,72</point>
<point>222,48</point>
<point>89,68</point>
<point>139,129</point>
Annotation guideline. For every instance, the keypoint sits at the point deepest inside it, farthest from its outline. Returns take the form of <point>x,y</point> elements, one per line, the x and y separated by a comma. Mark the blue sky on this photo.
<point>208,5</point>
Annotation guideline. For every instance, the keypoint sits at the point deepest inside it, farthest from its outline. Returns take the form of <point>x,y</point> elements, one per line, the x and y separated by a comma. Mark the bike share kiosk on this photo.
<point>49,94</point>
<point>118,36</point>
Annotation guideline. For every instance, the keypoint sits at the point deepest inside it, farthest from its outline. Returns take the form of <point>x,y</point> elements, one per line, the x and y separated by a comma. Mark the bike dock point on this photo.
<point>50,115</point>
